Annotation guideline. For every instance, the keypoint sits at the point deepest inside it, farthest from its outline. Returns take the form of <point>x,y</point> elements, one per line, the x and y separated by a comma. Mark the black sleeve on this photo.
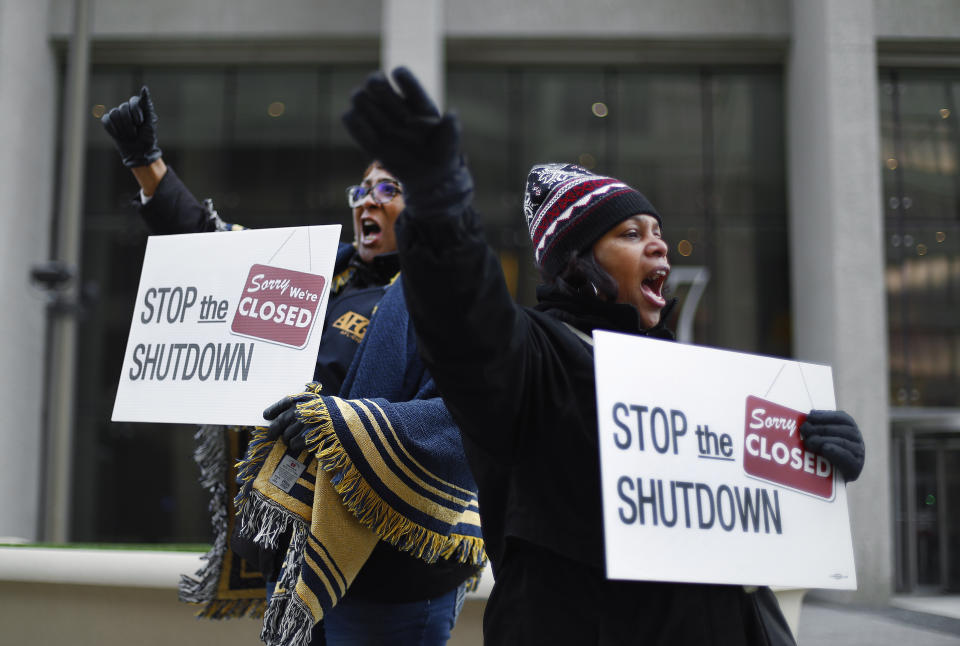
<point>472,337</point>
<point>174,209</point>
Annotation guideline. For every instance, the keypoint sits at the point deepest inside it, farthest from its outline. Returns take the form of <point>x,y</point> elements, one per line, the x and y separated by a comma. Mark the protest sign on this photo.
<point>225,324</point>
<point>704,475</point>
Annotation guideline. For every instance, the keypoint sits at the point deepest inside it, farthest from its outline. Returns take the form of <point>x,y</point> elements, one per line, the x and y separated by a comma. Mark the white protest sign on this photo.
<point>225,324</point>
<point>704,475</point>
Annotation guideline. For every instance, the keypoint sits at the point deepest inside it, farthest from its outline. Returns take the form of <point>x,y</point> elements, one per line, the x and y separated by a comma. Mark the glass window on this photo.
<point>745,209</point>
<point>266,146</point>
<point>921,183</point>
<point>704,144</point>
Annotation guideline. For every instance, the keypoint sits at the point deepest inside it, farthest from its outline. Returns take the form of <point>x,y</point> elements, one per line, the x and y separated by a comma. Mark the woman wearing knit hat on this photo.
<point>520,381</point>
<point>595,236</point>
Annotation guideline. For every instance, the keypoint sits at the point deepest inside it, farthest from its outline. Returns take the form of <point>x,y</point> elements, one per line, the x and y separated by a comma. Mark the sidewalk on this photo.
<point>908,621</point>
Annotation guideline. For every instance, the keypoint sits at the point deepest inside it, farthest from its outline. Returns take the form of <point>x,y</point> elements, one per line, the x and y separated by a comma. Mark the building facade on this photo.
<point>803,154</point>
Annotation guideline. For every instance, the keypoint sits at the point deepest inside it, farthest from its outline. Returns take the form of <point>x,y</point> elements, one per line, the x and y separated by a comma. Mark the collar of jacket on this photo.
<point>378,272</point>
<point>588,314</point>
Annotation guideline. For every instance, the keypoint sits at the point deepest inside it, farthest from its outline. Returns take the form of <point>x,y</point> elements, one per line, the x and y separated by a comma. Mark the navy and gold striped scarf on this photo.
<point>374,471</point>
<point>382,462</point>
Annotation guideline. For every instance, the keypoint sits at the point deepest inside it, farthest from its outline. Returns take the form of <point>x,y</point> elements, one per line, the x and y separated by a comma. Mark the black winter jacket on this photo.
<point>521,387</point>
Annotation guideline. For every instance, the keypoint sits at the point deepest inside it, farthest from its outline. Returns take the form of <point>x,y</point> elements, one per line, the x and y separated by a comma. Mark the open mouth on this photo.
<point>369,230</point>
<point>652,286</point>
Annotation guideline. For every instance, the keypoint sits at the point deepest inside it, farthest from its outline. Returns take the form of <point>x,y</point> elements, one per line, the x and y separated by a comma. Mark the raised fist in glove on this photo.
<point>835,436</point>
<point>284,422</point>
<point>132,124</point>
<point>405,131</point>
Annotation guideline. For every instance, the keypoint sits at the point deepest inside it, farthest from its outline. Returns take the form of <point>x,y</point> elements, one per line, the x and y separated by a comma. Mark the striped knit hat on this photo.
<point>569,208</point>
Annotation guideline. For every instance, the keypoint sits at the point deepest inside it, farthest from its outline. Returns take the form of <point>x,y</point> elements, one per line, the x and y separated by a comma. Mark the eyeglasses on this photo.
<point>382,192</point>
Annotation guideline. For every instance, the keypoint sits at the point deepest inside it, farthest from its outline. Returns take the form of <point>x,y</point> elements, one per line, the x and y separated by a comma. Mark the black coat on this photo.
<point>521,387</point>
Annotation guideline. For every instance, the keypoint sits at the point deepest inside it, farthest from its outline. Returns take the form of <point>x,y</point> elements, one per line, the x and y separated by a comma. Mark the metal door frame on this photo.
<point>913,429</point>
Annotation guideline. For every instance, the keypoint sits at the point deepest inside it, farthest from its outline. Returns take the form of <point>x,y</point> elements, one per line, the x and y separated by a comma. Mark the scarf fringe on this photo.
<point>258,449</point>
<point>271,631</point>
<point>211,455</point>
<point>368,507</point>
<point>265,520</point>
<point>294,558</point>
<point>294,628</point>
<point>276,624</point>
<point>473,583</point>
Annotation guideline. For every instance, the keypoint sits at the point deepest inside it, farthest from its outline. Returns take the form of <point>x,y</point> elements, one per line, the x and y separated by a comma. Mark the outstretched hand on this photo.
<point>835,436</point>
<point>404,130</point>
<point>132,125</point>
<point>284,421</point>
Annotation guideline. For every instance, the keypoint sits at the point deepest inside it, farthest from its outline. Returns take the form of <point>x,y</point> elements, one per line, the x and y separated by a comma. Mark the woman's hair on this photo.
<point>374,164</point>
<point>581,275</point>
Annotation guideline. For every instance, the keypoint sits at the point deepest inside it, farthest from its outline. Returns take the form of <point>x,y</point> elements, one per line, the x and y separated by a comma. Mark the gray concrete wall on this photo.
<point>192,19</point>
<point>94,615</point>
<point>836,247</point>
<point>498,18</point>
<point>413,37</point>
<point>651,19</point>
<point>919,20</point>
<point>28,98</point>
<point>654,19</point>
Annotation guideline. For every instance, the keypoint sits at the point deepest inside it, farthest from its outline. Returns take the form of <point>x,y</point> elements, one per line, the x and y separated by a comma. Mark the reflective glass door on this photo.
<point>927,471</point>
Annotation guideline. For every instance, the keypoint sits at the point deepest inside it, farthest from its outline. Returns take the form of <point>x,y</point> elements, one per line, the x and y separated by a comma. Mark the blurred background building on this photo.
<point>804,156</point>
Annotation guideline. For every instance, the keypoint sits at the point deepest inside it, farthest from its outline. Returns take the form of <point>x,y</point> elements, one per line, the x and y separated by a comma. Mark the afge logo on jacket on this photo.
<point>278,305</point>
<point>352,325</point>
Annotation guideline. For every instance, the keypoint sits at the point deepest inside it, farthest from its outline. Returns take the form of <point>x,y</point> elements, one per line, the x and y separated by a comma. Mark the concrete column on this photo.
<point>61,405</point>
<point>28,128</point>
<point>836,232</point>
<point>413,36</point>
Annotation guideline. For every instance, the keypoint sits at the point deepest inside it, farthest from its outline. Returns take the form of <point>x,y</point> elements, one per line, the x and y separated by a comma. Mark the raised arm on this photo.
<point>465,320</point>
<point>149,176</point>
<point>169,206</point>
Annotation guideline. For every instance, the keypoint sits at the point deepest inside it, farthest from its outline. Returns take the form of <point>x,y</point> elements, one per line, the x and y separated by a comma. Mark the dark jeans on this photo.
<point>375,623</point>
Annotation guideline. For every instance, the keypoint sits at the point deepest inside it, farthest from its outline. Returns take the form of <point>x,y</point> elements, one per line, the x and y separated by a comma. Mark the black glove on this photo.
<point>835,436</point>
<point>284,421</point>
<point>405,131</point>
<point>132,125</point>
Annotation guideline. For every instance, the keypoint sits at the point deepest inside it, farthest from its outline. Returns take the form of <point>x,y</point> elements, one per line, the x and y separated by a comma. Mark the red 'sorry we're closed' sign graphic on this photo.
<point>278,305</point>
<point>773,450</point>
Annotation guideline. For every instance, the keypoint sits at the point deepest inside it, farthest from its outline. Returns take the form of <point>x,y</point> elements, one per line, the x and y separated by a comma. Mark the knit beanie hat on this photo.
<point>569,208</point>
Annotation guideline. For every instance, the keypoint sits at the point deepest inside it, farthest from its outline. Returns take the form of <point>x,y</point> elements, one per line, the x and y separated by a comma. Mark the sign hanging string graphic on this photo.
<point>802,379</point>
<point>309,249</point>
